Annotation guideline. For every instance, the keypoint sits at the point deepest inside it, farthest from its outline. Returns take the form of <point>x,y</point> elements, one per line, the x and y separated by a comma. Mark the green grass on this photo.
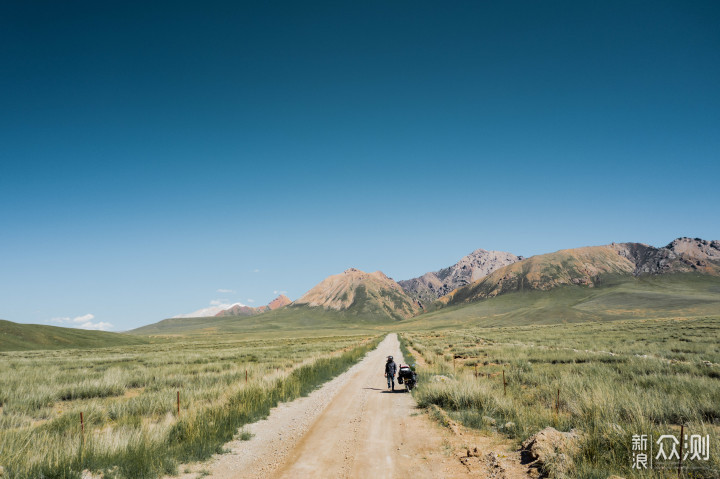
<point>128,399</point>
<point>659,330</point>
<point>25,337</point>
<point>615,379</point>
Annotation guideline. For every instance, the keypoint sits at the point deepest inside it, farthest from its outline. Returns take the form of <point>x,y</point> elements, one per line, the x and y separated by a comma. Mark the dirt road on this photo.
<point>366,431</point>
<point>352,427</point>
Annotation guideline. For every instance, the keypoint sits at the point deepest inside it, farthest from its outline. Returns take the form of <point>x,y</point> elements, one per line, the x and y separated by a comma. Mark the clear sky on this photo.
<point>157,156</point>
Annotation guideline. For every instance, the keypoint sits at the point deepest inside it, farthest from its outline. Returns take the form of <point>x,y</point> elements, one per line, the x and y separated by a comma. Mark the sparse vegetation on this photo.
<point>615,379</point>
<point>24,337</point>
<point>128,397</point>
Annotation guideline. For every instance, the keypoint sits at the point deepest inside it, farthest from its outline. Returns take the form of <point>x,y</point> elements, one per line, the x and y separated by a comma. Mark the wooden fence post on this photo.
<point>682,440</point>
<point>82,435</point>
<point>557,403</point>
<point>504,384</point>
<point>178,403</point>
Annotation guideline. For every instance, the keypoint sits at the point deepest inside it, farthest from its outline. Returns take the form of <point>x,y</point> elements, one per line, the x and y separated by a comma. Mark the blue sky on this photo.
<point>152,155</point>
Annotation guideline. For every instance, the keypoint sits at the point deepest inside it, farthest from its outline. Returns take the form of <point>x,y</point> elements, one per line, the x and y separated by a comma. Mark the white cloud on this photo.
<point>279,292</point>
<point>216,305</point>
<point>99,326</point>
<point>83,322</point>
<point>250,300</point>
<point>225,291</point>
<point>256,271</point>
<point>84,318</point>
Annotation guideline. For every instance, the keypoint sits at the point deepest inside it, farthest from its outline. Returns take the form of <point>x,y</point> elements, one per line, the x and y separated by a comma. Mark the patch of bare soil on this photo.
<point>132,393</point>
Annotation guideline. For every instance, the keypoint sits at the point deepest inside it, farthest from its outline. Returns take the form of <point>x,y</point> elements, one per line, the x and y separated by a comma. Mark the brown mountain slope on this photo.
<point>239,310</point>
<point>588,266</point>
<point>364,294</point>
<point>279,302</point>
<point>478,264</point>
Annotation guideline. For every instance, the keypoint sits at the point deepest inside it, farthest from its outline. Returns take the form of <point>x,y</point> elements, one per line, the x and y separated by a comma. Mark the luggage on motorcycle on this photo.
<point>408,376</point>
<point>405,372</point>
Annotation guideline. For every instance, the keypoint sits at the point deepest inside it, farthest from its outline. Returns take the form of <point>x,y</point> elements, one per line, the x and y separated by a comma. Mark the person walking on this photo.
<point>390,369</point>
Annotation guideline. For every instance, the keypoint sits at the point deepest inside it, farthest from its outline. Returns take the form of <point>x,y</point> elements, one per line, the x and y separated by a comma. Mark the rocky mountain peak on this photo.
<point>588,266</point>
<point>279,302</point>
<point>357,291</point>
<point>696,247</point>
<point>681,255</point>
<point>478,264</point>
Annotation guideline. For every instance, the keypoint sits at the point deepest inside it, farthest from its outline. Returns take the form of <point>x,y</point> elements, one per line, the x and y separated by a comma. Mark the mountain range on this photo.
<point>590,266</point>
<point>237,309</point>
<point>486,274</point>
<point>427,288</point>
<point>594,283</point>
<point>242,310</point>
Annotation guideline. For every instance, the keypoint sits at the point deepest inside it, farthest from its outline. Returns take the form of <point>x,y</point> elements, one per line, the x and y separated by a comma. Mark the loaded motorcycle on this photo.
<point>407,376</point>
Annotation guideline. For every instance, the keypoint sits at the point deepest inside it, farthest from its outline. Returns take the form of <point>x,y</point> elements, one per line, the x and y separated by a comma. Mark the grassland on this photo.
<point>23,337</point>
<point>616,379</point>
<point>628,355</point>
<point>128,399</point>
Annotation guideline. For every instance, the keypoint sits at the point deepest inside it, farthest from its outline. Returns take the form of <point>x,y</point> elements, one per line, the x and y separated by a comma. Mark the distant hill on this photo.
<point>679,296</point>
<point>279,302</point>
<point>238,310</point>
<point>616,281</point>
<point>349,301</point>
<point>362,294</point>
<point>241,310</point>
<point>478,264</point>
<point>591,266</point>
<point>19,337</point>
<point>210,311</point>
<point>283,322</point>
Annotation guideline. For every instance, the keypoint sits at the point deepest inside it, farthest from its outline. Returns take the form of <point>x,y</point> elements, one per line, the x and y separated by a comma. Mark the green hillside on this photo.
<point>676,295</point>
<point>680,295</point>
<point>22,337</point>
<point>288,321</point>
